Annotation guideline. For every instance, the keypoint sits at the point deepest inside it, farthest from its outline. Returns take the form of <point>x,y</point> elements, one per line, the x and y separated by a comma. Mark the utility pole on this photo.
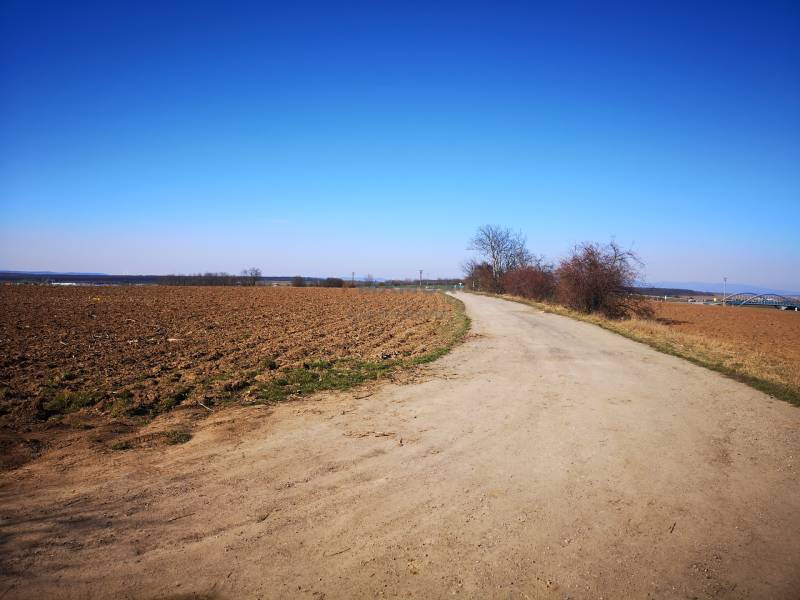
<point>420,279</point>
<point>724,290</point>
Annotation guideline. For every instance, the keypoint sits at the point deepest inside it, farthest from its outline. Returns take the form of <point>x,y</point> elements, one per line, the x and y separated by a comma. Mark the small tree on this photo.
<point>595,278</point>
<point>251,275</point>
<point>333,282</point>
<point>298,281</point>
<point>502,249</point>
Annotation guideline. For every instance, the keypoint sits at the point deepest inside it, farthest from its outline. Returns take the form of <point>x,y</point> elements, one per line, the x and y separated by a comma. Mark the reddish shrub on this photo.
<point>595,278</point>
<point>536,283</point>
<point>480,277</point>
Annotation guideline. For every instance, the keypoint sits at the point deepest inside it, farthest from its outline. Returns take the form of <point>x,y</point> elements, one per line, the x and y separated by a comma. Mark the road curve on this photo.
<point>542,458</point>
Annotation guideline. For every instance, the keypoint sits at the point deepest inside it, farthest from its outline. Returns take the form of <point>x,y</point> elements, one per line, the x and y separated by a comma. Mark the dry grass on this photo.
<point>773,370</point>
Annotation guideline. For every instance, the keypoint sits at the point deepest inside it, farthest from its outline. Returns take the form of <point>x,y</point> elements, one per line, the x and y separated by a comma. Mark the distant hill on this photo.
<point>108,279</point>
<point>716,288</point>
<point>47,273</point>
<point>669,291</point>
<point>80,278</point>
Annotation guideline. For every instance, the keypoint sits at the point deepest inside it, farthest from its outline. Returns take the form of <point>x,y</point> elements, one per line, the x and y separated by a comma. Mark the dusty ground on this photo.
<point>757,346</point>
<point>543,458</point>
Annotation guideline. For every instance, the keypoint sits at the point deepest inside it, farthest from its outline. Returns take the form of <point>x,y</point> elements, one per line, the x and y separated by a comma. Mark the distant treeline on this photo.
<point>249,277</point>
<point>425,282</point>
<point>656,291</point>
<point>297,281</point>
<point>79,278</point>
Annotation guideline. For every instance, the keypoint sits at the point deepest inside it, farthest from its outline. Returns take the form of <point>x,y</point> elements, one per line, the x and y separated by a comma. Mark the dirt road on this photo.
<point>543,458</point>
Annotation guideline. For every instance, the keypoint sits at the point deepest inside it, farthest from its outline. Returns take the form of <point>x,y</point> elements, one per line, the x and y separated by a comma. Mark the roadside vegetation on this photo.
<point>592,279</point>
<point>345,373</point>
<point>593,283</point>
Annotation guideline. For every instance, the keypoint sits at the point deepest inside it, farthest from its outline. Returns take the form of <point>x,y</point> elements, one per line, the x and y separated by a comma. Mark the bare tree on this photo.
<point>253,274</point>
<point>298,281</point>
<point>502,249</point>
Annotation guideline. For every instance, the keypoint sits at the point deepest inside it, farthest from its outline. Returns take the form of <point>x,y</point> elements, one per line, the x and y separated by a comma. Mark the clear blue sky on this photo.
<point>151,137</point>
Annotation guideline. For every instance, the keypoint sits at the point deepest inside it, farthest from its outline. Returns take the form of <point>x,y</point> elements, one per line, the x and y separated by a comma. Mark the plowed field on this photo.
<point>765,330</point>
<point>762,345</point>
<point>131,352</point>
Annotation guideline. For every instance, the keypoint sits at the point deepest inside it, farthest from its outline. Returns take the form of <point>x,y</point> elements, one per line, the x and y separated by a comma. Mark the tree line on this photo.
<point>591,278</point>
<point>249,276</point>
<point>329,282</point>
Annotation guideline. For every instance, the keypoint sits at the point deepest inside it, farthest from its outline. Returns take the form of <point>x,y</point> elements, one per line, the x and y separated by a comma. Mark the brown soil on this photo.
<point>111,358</point>
<point>760,344</point>
<point>766,330</point>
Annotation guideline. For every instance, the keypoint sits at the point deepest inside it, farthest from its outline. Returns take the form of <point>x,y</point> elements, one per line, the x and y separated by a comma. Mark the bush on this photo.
<point>594,278</point>
<point>177,437</point>
<point>536,283</point>
<point>333,282</point>
<point>66,402</point>
<point>298,281</point>
<point>479,276</point>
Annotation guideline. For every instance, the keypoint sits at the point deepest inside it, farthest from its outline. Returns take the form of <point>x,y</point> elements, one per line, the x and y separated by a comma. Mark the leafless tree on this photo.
<point>502,249</point>
<point>253,274</point>
<point>298,281</point>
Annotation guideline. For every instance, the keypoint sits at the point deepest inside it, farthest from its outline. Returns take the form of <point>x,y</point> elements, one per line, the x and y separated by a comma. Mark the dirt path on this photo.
<point>543,458</point>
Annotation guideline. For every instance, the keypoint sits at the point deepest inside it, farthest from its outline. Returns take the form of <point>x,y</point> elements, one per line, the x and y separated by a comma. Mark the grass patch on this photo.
<point>167,403</point>
<point>121,406</point>
<point>346,373</point>
<point>65,402</point>
<point>743,365</point>
<point>322,375</point>
<point>177,437</point>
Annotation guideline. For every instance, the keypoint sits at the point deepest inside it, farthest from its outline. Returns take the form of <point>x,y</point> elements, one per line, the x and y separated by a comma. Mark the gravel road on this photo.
<point>542,458</point>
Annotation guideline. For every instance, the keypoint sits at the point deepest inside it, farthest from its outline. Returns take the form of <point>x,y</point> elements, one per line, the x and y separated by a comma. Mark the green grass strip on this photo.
<point>345,373</point>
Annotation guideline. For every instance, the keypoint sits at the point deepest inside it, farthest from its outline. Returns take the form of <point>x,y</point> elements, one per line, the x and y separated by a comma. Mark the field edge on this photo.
<point>344,374</point>
<point>72,415</point>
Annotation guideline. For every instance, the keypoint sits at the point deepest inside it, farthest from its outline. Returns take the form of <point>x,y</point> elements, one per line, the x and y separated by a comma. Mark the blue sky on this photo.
<point>324,138</point>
